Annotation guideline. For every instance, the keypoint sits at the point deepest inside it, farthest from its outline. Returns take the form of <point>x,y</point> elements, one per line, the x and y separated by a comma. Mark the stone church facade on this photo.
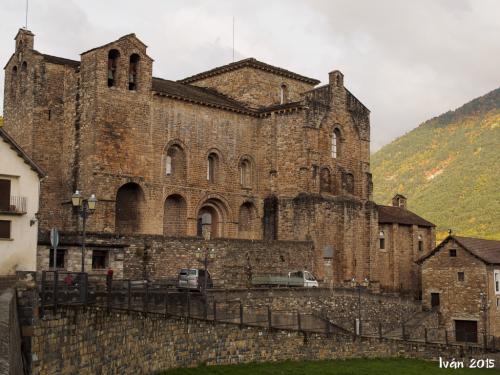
<point>245,151</point>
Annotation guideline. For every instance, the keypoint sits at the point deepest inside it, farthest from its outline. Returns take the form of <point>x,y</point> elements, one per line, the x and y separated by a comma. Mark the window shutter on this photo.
<point>4,195</point>
<point>4,229</point>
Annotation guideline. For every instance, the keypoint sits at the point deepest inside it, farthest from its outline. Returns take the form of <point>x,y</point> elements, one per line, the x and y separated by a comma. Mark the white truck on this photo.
<point>303,279</point>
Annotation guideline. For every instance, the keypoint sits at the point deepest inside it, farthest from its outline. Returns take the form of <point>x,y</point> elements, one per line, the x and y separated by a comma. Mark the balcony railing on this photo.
<point>17,205</point>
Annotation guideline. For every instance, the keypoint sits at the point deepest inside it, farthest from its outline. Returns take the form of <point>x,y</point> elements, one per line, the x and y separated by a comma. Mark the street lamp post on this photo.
<point>365,284</point>
<point>206,256</point>
<point>85,207</point>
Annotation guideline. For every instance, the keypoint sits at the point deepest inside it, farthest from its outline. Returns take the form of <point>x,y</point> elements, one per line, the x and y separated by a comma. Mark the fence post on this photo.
<point>269,318</point>
<point>241,313</point>
<point>299,325</point>
<point>84,285</point>
<point>42,292</point>
<point>166,304</point>
<point>215,311</point>
<point>56,280</point>
<point>446,336</point>
<point>328,328</point>
<point>146,300</point>
<point>425,336</point>
<point>205,307</point>
<point>109,285</point>
<point>129,295</point>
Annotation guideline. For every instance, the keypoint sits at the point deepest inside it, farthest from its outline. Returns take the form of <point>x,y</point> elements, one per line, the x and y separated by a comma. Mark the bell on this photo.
<point>110,74</point>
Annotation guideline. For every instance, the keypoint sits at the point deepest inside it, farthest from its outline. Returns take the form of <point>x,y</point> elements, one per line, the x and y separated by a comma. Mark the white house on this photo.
<point>19,197</point>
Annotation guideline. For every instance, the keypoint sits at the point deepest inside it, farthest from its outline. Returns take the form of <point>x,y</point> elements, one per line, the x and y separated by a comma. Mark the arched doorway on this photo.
<point>246,221</point>
<point>129,208</point>
<point>174,216</point>
<point>211,218</point>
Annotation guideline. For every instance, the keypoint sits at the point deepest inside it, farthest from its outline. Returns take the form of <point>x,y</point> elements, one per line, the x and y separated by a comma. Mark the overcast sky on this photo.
<point>405,60</point>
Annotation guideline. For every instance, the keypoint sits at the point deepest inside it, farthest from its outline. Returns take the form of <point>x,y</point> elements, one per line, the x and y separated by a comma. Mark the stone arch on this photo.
<point>349,183</point>
<point>24,67</point>
<point>283,93</point>
<point>174,216</point>
<point>325,180</point>
<point>212,216</point>
<point>112,77</point>
<point>336,142</point>
<point>214,166</point>
<point>129,208</point>
<point>247,221</point>
<point>246,169</point>
<point>175,160</point>
<point>270,218</point>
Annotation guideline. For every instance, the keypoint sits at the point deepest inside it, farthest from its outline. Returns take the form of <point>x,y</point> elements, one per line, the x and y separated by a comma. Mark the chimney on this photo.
<point>399,200</point>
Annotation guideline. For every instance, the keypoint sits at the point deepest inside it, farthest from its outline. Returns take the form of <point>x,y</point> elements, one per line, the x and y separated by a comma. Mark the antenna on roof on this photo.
<point>233,38</point>
<point>26,18</point>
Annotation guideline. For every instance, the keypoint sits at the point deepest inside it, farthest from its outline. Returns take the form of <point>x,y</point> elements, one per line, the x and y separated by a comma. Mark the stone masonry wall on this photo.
<point>92,341</point>
<point>159,257</point>
<point>11,362</point>
<point>459,300</point>
<point>340,306</point>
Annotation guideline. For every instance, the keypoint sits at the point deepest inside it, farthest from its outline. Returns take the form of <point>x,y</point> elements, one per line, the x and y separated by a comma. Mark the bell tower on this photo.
<point>24,40</point>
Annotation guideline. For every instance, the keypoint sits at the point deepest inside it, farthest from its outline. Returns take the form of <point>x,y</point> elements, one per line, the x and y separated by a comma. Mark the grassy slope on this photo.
<point>461,149</point>
<point>338,367</point>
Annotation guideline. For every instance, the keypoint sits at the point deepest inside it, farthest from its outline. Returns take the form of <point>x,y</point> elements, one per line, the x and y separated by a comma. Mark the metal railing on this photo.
<point>58,289</point>
<point>17,205</point>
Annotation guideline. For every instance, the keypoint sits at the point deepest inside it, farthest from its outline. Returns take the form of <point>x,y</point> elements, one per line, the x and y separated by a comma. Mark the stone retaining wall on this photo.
<point>341,306</point>
<point>10,337</point>
<point>92,341</point>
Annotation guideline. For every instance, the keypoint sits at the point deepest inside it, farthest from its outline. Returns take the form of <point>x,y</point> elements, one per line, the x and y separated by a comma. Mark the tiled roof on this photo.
<point>392,214</point>
<point>60,61</point>
<point>13,145</point>
<point>198,95</point>
<point>253,63</point>
<point>486,250</point>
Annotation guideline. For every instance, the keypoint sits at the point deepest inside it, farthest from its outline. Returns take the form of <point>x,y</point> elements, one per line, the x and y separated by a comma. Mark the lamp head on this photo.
<point>76,199</point>
<point>92,202</point>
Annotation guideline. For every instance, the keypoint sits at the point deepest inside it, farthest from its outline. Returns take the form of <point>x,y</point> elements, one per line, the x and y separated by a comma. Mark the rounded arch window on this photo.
<point>113,56</point>
<point>283,93</point>
<point>335,146</point>
<point>246,173</point>
<point>212,167</point>
<point>175,162</point>
<point>133,71</point>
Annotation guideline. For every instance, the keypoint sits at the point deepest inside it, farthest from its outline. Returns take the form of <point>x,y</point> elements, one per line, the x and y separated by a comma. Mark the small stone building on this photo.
<point>403,238</point>
<point>19,194</point>
<point>461,280</point>
<point>246,151</point>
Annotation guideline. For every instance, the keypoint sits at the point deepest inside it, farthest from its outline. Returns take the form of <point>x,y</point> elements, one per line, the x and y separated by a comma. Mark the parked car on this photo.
<point>303,279</point>
<point>194,278</point>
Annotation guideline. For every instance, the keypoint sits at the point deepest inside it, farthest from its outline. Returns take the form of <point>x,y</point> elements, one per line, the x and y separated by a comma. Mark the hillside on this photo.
<point>449,168</point>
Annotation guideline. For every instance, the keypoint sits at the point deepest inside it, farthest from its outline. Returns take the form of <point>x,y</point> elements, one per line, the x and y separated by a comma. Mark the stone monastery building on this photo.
<point>247,151</point>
